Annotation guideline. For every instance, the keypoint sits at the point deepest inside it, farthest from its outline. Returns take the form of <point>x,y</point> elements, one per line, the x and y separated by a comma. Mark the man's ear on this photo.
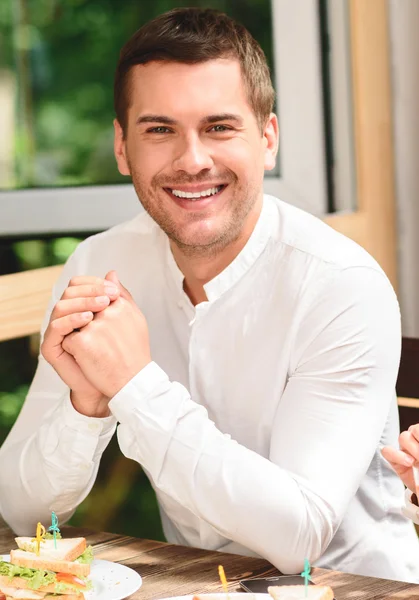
<point>119,148</point>
<point>271,138</point>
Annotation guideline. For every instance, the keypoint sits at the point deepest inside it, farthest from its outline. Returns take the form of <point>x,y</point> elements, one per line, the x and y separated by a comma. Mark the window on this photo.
<point>58,175</point>
<point>57,170</point>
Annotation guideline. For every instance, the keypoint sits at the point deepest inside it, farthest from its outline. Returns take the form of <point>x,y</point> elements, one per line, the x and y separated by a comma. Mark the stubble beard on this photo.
<point>242,204</point>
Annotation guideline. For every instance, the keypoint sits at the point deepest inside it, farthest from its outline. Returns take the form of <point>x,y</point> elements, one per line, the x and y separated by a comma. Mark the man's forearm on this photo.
<point>244,496</point>
<point>52,470</point>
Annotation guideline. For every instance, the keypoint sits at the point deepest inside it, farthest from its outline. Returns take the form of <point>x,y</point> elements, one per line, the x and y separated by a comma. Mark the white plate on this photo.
<point>111,581</point>
<point>233,595</point>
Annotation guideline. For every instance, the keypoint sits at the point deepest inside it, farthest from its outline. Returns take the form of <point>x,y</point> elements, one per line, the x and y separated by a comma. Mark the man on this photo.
<point>248,351</point>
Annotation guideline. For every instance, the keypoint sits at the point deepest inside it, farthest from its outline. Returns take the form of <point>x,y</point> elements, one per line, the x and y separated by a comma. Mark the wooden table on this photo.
<point>168,570</point>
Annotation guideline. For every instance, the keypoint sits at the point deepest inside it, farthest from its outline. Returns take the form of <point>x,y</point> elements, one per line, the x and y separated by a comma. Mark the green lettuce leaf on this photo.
<point>35,578</point>
<point>87,556</point>
<point>28,546</point>
<point>50,536</point>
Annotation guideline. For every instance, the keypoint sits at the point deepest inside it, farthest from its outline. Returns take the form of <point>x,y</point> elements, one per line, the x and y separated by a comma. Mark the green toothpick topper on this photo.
<point>306,574</point>
<point>54,527</point>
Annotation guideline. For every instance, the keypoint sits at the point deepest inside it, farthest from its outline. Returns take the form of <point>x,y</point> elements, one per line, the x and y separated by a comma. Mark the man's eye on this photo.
<point>159,129</point>
<point>220,128</point>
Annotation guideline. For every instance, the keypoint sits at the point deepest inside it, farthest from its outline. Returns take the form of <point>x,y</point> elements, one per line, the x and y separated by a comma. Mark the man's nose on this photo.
<point>192,156</point>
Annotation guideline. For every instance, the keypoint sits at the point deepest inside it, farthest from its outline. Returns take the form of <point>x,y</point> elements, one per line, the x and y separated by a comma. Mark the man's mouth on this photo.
<point>196,195</point>
<point>202,197</point>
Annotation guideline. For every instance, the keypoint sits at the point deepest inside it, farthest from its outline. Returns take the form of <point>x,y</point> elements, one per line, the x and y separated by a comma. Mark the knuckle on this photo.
<point>121,304</point>
<point>44,350</point>
<point>66,343</point>
<point>86,303</point>
<point>84,339</point>
<point>73,281</point>
<point>58,309</point>
<point>75,318</point>
<point>54,325</point>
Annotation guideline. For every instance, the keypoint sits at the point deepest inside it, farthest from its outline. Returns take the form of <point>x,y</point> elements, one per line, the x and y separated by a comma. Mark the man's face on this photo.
<point>195,151</point>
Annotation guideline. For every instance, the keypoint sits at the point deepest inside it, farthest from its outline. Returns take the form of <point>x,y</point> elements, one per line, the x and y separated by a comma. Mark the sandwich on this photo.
<point>299,592</point>
<point>58,573</point>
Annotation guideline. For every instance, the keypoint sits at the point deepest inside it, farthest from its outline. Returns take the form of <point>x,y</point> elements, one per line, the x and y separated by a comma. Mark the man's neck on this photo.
<point>200,268</point>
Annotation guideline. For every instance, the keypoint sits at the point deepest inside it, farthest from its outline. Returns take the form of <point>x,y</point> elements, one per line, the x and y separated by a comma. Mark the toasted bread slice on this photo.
<point>64,597</point>
<point>298,592</point>
<point>67,549</point>
<point>21,558</point>
<point>16,593</point>
<point>21,583</point>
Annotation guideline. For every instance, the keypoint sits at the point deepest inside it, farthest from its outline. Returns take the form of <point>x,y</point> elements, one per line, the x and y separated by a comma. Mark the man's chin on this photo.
<point>197,243</point>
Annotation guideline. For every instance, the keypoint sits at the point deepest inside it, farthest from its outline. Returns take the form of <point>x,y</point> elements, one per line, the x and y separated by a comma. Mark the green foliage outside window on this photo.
<point>60,57</point>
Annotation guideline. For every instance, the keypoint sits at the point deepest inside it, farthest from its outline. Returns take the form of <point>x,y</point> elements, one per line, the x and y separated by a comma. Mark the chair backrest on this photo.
<point>23,301</point>
<point>407,386</point>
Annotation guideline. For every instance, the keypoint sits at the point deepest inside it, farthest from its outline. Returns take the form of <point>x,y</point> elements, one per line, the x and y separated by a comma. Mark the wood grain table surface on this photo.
<point>168,570</point>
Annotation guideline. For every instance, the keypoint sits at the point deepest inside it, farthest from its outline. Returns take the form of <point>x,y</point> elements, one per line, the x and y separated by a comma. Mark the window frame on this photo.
<point>302,170</point>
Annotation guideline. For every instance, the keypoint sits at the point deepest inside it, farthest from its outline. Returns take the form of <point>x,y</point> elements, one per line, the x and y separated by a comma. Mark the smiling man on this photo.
<point>248,351</point>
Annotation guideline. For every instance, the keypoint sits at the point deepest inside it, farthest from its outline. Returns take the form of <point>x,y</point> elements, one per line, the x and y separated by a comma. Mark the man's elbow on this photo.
<point>307,539</point>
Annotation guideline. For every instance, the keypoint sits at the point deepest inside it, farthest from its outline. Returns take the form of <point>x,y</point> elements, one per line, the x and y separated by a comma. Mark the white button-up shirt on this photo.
<point>260,420</point>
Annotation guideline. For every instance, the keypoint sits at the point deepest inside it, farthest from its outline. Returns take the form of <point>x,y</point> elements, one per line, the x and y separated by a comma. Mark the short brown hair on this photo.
<point>194,35</point>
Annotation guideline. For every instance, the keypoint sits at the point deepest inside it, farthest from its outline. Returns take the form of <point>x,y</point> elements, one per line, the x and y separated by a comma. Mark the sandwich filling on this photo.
<point>39,578</point>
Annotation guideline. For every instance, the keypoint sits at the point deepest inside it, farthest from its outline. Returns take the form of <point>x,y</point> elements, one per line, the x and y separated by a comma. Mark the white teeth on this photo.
<point>196,195</point>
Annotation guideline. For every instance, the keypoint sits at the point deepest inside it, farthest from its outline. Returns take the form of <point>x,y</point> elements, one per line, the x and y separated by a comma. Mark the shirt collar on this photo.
<point>254,247</point>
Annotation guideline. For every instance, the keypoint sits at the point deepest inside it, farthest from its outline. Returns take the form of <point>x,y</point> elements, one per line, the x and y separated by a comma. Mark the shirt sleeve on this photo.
<point>286,506</point>
<point>50,458</point>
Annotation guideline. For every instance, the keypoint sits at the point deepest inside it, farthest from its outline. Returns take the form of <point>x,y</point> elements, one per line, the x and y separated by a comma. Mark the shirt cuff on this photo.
<point>90,425</point>
<point>138,388</point>
<point>410,510</point>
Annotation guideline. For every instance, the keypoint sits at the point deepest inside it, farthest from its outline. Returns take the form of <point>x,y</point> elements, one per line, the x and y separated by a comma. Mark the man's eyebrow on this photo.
<point>223,117</point>
<point>156,119</point>
<point>205,121</point>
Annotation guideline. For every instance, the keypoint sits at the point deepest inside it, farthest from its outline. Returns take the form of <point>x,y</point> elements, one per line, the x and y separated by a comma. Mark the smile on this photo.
<point>197,195</point>
<point>196,199</point>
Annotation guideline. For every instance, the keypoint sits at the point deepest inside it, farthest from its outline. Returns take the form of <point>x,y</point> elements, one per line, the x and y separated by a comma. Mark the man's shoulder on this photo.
<point>131,248</point>
<point>141,226</point>
<point>138,237</point>
<point>302,233</point>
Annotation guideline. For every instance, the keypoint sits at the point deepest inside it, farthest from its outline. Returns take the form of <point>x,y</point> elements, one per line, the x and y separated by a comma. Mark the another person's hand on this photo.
<point>113,347</point>
<point>402,460</point>
<point>84,298</point>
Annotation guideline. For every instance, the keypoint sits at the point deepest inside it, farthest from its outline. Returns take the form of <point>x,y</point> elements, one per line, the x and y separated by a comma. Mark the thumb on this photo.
<point>113,277</point>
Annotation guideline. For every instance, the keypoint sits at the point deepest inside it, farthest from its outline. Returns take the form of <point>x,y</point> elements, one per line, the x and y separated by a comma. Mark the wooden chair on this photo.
<point>23,301</point>
<point>407,386</point>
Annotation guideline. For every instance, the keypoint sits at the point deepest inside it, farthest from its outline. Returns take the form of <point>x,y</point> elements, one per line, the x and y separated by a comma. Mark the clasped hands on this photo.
<point>97,340</point>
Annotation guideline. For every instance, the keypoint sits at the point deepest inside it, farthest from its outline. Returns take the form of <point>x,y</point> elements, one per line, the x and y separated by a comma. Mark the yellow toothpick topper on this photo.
<point>40,534</point>
<point>223,578</point>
